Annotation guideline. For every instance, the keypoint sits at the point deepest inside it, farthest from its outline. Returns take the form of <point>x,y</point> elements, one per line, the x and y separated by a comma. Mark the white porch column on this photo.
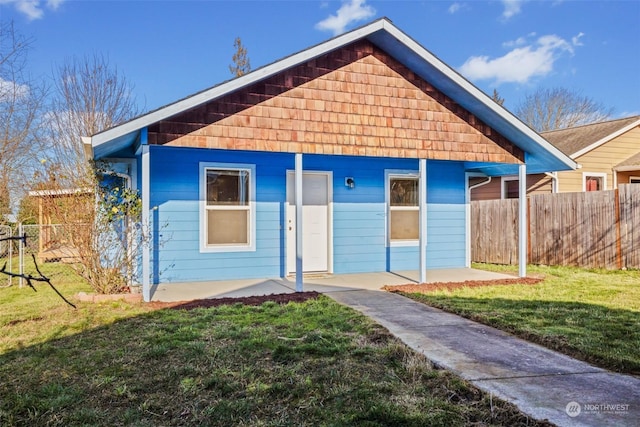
<point>146,246</point>
<point>298,200</point>
<point>467,220</point>
<point>522,220</point>
<point>422,213</point>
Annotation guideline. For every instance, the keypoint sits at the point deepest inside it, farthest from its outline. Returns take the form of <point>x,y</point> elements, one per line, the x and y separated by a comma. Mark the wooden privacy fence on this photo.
<point>599,229</point>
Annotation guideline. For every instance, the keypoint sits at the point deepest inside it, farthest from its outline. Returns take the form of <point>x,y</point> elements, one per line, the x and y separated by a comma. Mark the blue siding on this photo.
<point>175,194</point>
<point>359,227</point>
<point>445,241</point>
<point>359,215</point>
<point>359,237</point>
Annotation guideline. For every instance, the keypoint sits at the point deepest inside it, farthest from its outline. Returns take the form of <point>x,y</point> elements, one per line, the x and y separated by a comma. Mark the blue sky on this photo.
<point>171,49</point>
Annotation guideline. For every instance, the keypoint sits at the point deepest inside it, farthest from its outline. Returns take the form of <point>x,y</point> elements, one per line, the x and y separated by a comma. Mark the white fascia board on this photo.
<point>237,83</point>
<point>463,83</point>
<point>87,147</point>
<point>315,51</point>
<point>626,168</point>
<point>605,139</point>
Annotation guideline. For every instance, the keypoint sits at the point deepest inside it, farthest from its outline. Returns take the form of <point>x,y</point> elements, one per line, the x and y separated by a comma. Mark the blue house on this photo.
<point>354,155</point>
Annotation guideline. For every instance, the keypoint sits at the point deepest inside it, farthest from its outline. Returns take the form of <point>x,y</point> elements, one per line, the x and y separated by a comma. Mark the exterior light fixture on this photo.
<point>349,182</point>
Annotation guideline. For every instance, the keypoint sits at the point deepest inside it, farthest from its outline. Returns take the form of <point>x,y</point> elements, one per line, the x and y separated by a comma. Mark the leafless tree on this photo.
<point>90,96</point>
<point>241,64</point>
<point>21,99</point>
<point>559,108</point>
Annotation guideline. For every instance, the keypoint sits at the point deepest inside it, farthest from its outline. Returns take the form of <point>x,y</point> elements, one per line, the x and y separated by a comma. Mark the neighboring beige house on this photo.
<point>608,154</point>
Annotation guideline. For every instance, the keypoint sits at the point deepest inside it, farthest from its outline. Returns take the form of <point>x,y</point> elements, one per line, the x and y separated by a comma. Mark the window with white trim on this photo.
<point>510,187</point>
<point>594,181</point>
<point>404,210</point>
<point>228,215</point>
<point>634,180</point>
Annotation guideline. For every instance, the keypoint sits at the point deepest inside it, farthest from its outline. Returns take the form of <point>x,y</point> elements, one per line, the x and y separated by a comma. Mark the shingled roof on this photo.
<point>631,162</point>
<point>579,140</point>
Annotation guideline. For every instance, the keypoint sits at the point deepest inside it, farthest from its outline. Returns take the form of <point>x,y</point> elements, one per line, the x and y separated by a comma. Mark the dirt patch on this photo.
<point>449,286</point>
<point>252,300</point>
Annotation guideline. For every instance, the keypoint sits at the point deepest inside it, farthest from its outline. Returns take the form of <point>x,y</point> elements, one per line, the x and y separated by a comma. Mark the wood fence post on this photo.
<point>618,234</point>
<point>529,230</point>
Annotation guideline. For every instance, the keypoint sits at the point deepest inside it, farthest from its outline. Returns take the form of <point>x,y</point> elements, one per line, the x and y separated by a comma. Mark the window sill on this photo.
<point>227,248</point>
<point>403,243</point>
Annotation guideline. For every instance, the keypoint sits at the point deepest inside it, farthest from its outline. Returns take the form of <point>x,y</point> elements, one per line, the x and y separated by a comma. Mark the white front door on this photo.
<point>315,222</point>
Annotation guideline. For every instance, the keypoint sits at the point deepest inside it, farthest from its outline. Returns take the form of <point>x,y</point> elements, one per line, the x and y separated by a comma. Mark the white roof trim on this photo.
<point>87,148</point>
<point>626,168</point>
<point>480,95</point>
<point>318,50</point>
<point>237,83</point>
<point>605,139</point>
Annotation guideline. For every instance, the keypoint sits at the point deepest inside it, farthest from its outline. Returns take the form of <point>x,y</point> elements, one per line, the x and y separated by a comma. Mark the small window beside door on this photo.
<point>404,210</point>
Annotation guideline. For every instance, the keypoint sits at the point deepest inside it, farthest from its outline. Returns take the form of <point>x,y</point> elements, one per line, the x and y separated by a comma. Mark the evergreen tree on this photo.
<point>497,98</point>
<point>241,64</point>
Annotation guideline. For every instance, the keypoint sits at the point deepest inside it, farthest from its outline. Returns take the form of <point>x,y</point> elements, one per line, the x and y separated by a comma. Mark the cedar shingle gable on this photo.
<point>356,100</point>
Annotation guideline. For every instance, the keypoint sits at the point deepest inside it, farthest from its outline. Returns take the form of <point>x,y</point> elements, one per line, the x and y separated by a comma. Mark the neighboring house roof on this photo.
<point>541,155</point>
<point>579,140</point>
<point>632,163</point>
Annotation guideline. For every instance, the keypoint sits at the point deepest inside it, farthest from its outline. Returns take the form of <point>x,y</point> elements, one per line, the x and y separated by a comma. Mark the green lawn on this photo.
<point>593,315</point>
<point>313,363</point>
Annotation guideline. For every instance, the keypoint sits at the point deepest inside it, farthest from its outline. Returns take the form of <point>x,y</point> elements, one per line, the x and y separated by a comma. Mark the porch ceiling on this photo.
<point>119,144</point>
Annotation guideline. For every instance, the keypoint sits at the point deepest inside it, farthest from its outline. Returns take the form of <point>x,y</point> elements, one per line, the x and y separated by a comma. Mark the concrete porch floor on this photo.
<point>323,283</point>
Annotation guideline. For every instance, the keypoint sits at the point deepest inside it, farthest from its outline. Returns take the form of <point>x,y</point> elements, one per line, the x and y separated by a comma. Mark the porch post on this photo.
<point>298,200</point>
<point>146,245</point>
<point>422,214</point>
<point>467,221</point>
<point>522,220</point>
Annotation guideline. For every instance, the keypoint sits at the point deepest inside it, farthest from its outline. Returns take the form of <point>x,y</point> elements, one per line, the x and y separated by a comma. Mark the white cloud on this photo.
<point>351,11</point>
<point>511,8</point>
<point>33,9</point>
<point>517,42</point>
<point>522,63</point>
<point>54,4</point>
<point>455,7</point>
<point>11,90</point>
<point>575,40</point>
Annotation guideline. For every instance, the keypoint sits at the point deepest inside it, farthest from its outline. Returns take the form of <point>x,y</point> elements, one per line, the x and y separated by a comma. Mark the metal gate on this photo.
<point>47,245</point>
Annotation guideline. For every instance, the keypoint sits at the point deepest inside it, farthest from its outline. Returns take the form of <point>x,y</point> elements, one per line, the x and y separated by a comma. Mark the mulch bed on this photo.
<point>253,300</point>
<point>449,286</point>
<point>304,296</point>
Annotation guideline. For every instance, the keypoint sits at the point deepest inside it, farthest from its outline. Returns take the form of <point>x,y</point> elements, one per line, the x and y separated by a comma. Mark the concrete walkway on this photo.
<point>542,383</point>
<point>324,283</point>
